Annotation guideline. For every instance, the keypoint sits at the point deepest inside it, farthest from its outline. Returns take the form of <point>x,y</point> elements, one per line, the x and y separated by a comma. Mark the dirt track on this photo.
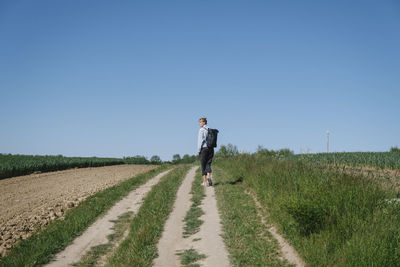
<point>209,237</point>
<point>30,202</point>
<point>97,233</point>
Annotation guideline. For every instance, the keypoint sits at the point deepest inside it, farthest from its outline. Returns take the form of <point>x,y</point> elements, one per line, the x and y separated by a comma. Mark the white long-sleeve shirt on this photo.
<point>201,139</point>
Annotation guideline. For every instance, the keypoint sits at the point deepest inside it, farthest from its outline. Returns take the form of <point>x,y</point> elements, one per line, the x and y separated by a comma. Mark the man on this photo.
<point>206,153</point>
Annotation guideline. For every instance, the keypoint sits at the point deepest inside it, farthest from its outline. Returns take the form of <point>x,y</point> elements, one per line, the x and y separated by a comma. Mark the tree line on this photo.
<point>224,151</point>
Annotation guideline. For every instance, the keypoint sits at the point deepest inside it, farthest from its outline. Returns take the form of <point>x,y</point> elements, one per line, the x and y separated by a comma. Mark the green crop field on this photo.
<point>14,165</point>
<point>381,160</point>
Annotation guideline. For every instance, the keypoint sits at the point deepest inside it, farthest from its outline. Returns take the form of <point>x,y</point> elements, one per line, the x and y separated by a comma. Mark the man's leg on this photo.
<point>210,157</point>
<point>203,162</point>
<point>208,165</point>
<point>209,179</point>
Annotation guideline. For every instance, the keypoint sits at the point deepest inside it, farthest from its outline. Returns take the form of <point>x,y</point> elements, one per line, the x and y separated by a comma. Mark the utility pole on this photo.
<point>327,141</point>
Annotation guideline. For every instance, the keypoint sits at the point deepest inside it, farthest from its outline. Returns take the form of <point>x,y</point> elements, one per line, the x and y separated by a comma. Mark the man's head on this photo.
<point>202,121</point>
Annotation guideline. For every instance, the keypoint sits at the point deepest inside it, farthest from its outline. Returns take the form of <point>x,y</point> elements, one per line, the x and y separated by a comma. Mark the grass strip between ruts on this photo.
<point>192,221</point>
<point>93,256</point>
<point>189,258</point>
<point>140,247</point>
<point>40,247</point>
<point>248,241</point>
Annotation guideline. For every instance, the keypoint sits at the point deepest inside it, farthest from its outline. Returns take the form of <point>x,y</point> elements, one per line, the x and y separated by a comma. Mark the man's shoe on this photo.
<point>209,179</point>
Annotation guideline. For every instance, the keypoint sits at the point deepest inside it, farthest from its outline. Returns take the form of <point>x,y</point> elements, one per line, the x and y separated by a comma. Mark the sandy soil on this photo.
<point>97,233</point>
<point>210,234</point>
<point>210,242</point>
<point>30,202</point>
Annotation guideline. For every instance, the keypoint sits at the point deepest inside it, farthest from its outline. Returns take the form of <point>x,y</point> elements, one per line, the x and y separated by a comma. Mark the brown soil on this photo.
<point>29,202</point>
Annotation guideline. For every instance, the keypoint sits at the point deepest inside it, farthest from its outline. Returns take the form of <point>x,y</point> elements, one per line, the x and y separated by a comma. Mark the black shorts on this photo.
<point>206,157</point>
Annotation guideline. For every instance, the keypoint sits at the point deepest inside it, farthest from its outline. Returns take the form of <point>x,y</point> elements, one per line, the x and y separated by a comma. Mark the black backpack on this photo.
<point>211,139</point>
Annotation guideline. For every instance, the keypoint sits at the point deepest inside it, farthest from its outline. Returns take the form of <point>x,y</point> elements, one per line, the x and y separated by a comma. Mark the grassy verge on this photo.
<point>40,247</point>
<point>192,221</point>
<point>248,241</point>
<point>331,218</point>
<point>140,247</point>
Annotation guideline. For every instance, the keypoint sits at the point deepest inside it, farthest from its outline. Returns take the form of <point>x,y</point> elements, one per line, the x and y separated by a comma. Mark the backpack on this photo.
<point>211,138</point>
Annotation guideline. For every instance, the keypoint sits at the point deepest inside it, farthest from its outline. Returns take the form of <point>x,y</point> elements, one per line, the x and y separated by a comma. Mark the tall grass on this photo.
<point>331,218</point>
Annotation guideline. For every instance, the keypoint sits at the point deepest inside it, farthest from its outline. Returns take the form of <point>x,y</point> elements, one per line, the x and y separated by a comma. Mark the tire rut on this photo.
<point>97,233</point>
<point>208,239</point>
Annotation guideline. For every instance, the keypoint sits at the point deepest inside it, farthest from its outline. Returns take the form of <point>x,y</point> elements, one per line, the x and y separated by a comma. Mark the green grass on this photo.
<point>140,247</point>
<point>189,257</point>
<point>192,221</point>
<point>248,241</point>
<point>331,218</point>
<point>40,247</point>
<point>92,257</point>
<point>121,225</point>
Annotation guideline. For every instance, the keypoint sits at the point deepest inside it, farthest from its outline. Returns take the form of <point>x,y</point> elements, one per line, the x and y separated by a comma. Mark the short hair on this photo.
<point>204,119</point>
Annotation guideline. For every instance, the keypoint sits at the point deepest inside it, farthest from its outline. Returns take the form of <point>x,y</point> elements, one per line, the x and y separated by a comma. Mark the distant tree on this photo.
<point>265,152</point>
<point>221,152</point>
<point>227,151</point>
<point>285,152</point>
<point>232,150</point>
<point>138,159</point>
<point>155,159</point>
<point>193,158</point>
<point>186,158</point>
<point>395,149</point>
<point>274,153</point>
<point>176,158</point>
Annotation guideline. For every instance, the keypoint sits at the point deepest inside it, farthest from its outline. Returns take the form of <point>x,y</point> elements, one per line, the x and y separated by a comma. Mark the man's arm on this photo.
<point>200,140</point>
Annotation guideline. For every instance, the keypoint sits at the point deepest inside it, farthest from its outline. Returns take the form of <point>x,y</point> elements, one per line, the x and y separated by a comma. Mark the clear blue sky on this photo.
<point>121,78</point>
